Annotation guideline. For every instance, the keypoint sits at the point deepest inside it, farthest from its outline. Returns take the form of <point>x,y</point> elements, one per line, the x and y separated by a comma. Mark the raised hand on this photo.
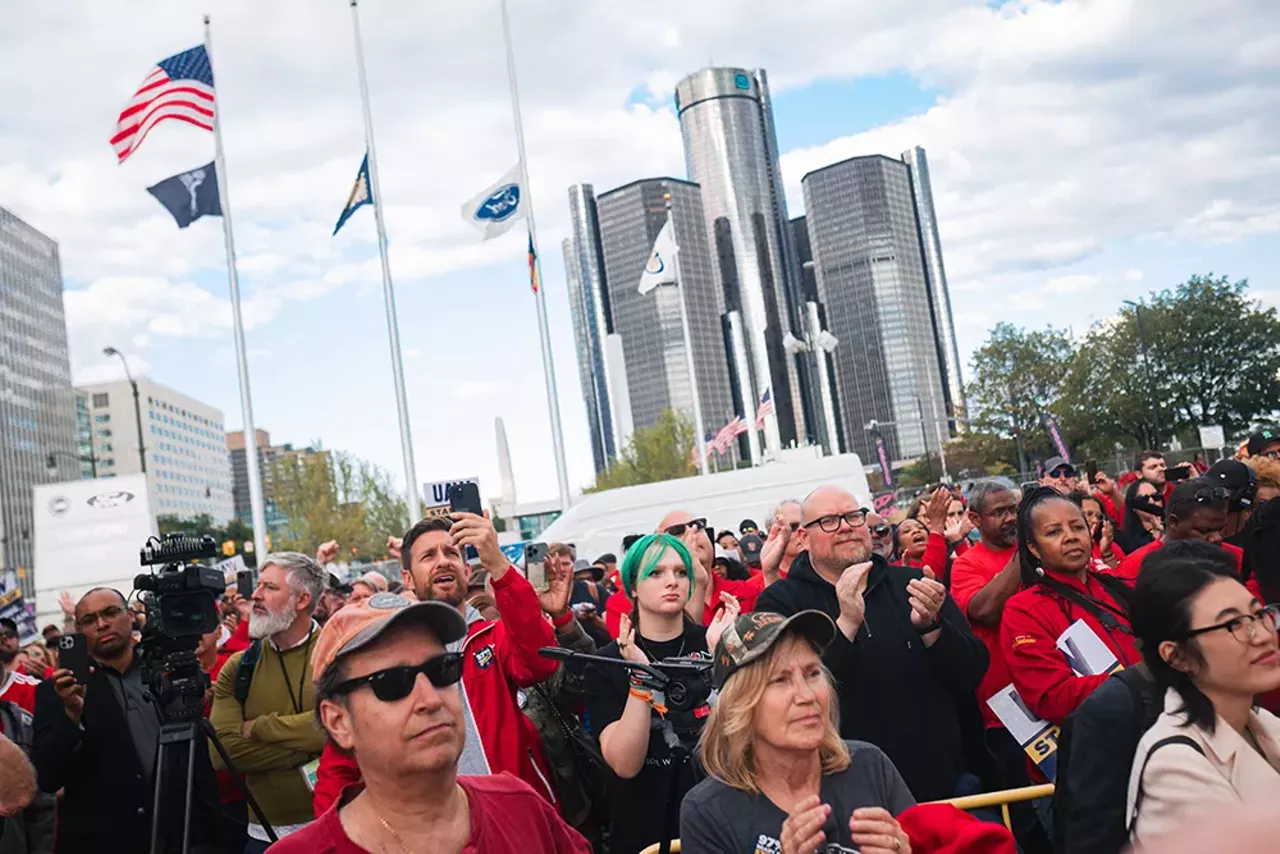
<point>393,546</point>
<point>555,599</point>
<point>849,590</point>
<point>723,619</point>
<point>327,552</point>
<point>70,692</point>
<point>802,829</point>
<point>67,604</point>
<point>627,642</point>
<point>477,531</point>
<point>926,596</point>
<point>935,511</point>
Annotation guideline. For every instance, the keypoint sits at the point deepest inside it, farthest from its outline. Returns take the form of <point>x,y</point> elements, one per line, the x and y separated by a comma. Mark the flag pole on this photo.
<point>544,339</point>
<point>688,349</point>
<point>256,505</point>
<point>412,502</point>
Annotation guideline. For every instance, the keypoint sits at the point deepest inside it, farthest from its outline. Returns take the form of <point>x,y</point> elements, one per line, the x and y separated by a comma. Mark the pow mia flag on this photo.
<point>190,195</point>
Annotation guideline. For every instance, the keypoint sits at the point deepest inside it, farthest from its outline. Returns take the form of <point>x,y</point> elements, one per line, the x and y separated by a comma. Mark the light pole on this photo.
<point>137,407</point>
<point>1146,364</point>
<point>92,460</point>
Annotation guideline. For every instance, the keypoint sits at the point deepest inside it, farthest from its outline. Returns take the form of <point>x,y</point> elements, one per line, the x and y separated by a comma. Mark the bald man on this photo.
<point>904,657</point>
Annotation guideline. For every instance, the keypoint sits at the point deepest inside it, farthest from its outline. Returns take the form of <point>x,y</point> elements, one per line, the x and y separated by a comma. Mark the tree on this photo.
<point>333,495</point>
<point>661,451</point>
<point>975,454</point>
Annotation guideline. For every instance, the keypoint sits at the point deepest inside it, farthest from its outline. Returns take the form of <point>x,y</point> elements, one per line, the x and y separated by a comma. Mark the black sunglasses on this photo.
<point>880,530</point>
<point>679,529</point>
<point>396,683</point>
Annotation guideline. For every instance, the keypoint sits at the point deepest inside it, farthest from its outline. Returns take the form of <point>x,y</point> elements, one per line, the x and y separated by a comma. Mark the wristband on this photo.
<point>563,620</point>
<point>639,694</point>
<point>932,627</point>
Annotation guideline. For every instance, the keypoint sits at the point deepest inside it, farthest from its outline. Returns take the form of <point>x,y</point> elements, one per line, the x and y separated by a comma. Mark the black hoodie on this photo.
<point>907,700</point>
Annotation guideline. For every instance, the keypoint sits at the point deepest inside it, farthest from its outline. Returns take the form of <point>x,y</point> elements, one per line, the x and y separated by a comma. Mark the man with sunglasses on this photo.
<point>1060,475</point>
<point>389,694</point>
<point>904,657</point>
<point>881,535</point>
<point>15,686</point>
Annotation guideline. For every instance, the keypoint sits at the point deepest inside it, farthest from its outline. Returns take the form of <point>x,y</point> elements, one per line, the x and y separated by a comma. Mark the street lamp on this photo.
<point>137,407</point>
<point>52,465</point>
<point>1146,364</point>
<point>820,343</point>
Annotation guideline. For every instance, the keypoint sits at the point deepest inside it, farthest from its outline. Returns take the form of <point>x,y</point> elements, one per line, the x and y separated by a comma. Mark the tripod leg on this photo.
<point>155,804</point>
<point>191,777</point>
<point>237,779</point>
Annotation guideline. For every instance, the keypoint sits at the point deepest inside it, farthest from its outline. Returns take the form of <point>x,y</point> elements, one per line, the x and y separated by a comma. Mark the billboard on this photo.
<point>88,534</point>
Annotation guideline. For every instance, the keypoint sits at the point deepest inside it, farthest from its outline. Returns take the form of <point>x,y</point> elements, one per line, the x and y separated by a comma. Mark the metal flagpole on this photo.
<point>548,369</point>
<point>412,501</point>
<point>256,505</point>
<point>688,350</point>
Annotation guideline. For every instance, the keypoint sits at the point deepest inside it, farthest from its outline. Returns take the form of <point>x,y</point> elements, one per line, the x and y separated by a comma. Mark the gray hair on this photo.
<point>981,491</point>
<point>773,514</point>
<point>302,573</point>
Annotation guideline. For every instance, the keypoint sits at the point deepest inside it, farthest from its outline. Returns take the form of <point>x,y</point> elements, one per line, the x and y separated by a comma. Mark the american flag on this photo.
<point>533,265</point>
<point>722,439</point>
<point>765,409</point>
<point>180,87</point>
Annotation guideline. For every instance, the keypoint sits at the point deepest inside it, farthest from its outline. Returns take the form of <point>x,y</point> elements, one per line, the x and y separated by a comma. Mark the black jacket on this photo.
<point>107,798</point>
<point>907,700</point>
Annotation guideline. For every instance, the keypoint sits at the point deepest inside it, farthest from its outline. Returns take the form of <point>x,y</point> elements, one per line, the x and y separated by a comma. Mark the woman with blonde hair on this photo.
<point>779,776</point>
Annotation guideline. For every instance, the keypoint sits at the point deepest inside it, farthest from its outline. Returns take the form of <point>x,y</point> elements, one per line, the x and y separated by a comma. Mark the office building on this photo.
<point>731,152</point>
<point>657,376</point>
<point>592,322</point>
<point>269,457</point>
<point>869,271</point>
<point>84,438</point>
<point>187,470</point>
<point>944,330</point>
<point>37,407</point>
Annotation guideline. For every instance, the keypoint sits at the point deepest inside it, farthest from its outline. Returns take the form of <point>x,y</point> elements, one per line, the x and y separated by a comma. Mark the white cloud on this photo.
<point>476,388</point>
<point>1133,274</point>
<point>1073,284</point>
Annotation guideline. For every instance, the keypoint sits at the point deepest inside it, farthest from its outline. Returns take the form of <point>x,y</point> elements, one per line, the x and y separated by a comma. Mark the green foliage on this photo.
<point>975,454</point>
<point>658,452</point>
<point>234,530</point>
<point>1017,375</point>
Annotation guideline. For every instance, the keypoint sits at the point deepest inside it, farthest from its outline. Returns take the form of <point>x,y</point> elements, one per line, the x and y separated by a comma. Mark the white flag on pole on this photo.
<point>497,207</point>
<point>661,269</point>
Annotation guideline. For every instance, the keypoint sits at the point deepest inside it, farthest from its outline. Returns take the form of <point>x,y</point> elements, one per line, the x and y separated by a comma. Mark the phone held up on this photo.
<point>535,566</point>
<point>245,583</point>
<point>465,497</point>
<point>73,655</point>
<point>1091,472</point>
<point>1178,473</point>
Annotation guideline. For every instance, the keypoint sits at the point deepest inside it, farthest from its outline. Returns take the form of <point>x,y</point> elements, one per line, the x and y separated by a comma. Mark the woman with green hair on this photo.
<point>657,576</point>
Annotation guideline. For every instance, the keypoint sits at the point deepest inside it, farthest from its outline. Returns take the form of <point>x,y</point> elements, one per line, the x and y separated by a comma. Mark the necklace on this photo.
<point>640,643</point>
<point>391,830</point>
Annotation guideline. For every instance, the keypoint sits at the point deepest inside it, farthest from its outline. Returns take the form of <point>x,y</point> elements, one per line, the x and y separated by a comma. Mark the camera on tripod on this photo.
<point>184,594</point>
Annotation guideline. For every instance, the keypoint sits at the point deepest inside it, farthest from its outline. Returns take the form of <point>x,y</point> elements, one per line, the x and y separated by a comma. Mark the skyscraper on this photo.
<point>657,376</point>
<point>870,275</point>
<point>37,406</point>
<point>592,323</point>
<point>270,457</point>
<point>731,151</point>
<point>944,330</point>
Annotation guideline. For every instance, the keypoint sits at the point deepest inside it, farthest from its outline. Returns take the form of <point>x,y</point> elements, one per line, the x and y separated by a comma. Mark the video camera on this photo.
<point>684,684</point>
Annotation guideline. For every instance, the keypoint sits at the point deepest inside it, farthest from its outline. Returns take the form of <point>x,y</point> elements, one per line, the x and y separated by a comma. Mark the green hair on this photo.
<point>643,556</point>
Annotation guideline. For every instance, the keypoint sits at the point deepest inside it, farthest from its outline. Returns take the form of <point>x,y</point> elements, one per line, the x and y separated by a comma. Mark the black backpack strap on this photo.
<point>244,673</point>
<point>1105,615</point>
<point>1119,589</point>
<point>1164,742</point>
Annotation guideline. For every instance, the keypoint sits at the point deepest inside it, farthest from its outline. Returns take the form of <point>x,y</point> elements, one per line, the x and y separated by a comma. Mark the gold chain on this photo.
<point>389,829</point>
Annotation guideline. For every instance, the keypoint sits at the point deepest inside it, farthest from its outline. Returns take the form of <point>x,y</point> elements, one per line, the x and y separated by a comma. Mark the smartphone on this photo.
<point>245,583</point>
<point>73,655</point>
<point>1028,485</point>
<point>1091,471</point>
<point>711,534</point>
<point>465,497</point>
<point>1179,473</point>
<point>535,565</point>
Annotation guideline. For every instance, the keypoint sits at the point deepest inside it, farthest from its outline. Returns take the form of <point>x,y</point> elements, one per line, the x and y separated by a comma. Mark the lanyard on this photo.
<point>296,702</point>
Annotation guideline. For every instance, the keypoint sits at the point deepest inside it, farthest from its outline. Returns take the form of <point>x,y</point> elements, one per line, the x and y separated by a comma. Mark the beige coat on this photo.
<point>1180,784</point>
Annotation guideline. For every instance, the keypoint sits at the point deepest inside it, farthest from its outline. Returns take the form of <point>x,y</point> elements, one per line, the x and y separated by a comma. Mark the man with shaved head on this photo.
<point>904,657</point>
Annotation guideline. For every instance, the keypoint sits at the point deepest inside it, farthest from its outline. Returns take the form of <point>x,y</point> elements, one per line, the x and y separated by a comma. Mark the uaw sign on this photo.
<point>436,495</point>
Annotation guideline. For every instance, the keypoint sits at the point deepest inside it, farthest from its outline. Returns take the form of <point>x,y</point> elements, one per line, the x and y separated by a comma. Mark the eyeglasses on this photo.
<point>1272,454</point>
<point>831,522</point>
<point>679,529</point>
<point>1245,627</point>
<point>881,530</point>
<point>1062,473</point>
<point>8,634</point>
<point>396,683</point>
<point>109,613</point>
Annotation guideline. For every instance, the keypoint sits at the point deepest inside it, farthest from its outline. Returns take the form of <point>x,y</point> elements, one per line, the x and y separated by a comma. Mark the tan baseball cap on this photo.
<point>354,627</point>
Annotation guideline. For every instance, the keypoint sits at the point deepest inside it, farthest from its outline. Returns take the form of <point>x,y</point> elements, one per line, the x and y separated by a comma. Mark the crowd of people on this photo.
<point>817,683</point>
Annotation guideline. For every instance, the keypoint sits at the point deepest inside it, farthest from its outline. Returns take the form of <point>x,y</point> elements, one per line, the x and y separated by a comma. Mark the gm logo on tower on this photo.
<point>742,81</point>
<point>501,205</point>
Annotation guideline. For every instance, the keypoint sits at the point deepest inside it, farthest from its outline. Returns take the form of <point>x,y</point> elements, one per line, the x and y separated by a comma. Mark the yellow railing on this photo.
<point>653,849</point>
<point>1001,799</point>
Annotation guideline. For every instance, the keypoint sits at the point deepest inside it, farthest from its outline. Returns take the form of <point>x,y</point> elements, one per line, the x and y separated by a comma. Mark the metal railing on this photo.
<point>1001,799</point>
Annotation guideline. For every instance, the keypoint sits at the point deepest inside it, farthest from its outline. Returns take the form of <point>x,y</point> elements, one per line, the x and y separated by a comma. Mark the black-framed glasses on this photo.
<point>678,529</point>
<point>831,522</point>
<point>881,530</point>
<point>1059,473</point>
<point>1245,627</point>
<point>108,613</point>
<point>1272,454</point>
<point>396,683</point>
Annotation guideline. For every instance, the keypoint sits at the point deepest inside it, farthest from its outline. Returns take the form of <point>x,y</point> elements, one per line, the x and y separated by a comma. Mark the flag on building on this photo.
<point>497,207</point>
<point>179,87</point>
<point>661,268</point>
<point>533,265</point>
<point>361,194</point>
<point>722,439</point>
<point>190,195</point>
<point>765,408</point>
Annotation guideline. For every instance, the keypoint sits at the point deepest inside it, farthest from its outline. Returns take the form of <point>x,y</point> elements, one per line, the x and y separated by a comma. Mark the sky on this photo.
<point>1082,153</point>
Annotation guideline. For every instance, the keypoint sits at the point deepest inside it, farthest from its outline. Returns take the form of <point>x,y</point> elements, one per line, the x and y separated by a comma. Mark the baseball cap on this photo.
<point>9,624</point>
<point>355,627</point>
<point>751,636</point>
<point>1260,440</point>
<point>750,546</point>
<point>1240,480</point>
<point>748,525</point>
<point>1056,463</point>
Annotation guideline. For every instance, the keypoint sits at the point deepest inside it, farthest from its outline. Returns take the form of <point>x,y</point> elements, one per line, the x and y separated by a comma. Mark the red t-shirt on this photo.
<point>20,689</point>
<point>1129,567</point>
<point>971,572</point>
<point>506,815</point>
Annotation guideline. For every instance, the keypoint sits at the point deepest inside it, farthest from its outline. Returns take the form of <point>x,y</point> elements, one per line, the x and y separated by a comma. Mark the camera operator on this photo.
<point>263,703</point>
<point>657,576</point>
<point>98,741</point>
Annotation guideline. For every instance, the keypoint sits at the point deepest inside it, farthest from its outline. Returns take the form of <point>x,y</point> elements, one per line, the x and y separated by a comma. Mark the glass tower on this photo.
<point>37,406</point>
<point>731,151</point>
<point>869,271</point>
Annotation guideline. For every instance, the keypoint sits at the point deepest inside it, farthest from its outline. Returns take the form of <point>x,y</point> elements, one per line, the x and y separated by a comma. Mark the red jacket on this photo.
<point>498,657</point>
<point>614,607</point>
<point>1034,619</point>
<point>934,557</point>
<point>19,688</point>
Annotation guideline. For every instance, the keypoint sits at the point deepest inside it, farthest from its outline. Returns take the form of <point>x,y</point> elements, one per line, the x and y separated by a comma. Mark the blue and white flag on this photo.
<point>190,195</point>
<point>361,194</point>
<point>497,207</point>
<point>661,267</point>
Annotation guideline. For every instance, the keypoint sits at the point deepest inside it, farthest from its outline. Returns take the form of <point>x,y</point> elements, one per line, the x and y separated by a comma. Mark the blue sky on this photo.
<point>1082,153</point>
